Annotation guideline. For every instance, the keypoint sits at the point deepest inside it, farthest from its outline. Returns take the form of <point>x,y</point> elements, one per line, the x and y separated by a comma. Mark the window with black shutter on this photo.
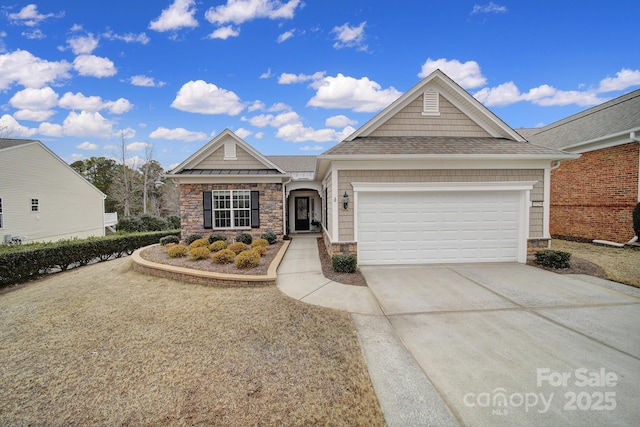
<point>207,209</point>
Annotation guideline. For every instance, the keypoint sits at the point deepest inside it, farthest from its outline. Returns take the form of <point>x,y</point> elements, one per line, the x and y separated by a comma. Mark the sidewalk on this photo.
<point>406,396</point>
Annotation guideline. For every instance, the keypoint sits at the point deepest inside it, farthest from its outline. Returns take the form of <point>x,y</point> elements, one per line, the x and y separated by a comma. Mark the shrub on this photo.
<point>636,220</point>
<point>238,247</point>
<point>225,256</point>
<point>201,252</point>
<point>199,244</point>
<point>247,259</point>
<point>218,246</point>
<point>553,259</point>
<point>177,251</point>
<point>270,237</point>
<point>259,242</point>
<point>260,250</point>
<point>169,239</point>
<point>344,263</point>
<point>174,222</point>
<point>244,238</point>
<point>217,237</point>
<point>130,224</point>
<point>169,246</point>
<point>192,238</point>
<point>153,223</point>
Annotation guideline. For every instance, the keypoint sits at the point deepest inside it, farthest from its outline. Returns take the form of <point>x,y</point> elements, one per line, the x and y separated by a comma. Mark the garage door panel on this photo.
<point>433,227</point>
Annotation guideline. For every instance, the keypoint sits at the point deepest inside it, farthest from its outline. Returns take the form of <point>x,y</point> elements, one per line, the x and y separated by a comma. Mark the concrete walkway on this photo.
<point>406,396</point>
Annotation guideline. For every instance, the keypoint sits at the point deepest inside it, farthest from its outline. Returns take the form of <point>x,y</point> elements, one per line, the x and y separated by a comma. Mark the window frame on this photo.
<point>1,215</point>
<point>236,206</point>
<point>35,205</point>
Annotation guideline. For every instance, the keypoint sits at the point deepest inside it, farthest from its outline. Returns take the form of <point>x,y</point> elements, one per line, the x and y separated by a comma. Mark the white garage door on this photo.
<point>438,227</point>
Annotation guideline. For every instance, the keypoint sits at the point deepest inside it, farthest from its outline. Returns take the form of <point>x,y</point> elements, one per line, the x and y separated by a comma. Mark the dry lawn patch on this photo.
<point>619,264</point>
<point>105,345</point>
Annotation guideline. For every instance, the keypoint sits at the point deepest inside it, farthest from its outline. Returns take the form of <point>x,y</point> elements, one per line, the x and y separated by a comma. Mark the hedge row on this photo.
<point>29,263</point>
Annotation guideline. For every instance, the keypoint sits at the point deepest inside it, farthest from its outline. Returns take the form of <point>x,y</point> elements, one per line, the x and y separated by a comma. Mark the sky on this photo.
<point>292,77</point>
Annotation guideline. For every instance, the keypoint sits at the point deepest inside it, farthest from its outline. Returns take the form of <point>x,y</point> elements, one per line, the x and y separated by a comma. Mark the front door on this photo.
<point>302,213</point>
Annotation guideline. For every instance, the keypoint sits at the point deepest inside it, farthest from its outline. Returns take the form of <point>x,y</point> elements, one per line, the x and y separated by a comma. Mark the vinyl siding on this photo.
<point>69,205</point>
<point>244,160</point>
<point>410,122</point>
<point>346,177</point>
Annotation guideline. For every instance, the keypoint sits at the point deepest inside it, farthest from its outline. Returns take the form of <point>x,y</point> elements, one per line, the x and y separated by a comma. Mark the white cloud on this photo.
<point>94,66</point>
<point>33,115</point>
<point>360,95</point>
<point>289,78</point>
<point>339,121</point>
<point>141,38</point>
<point>267,74</point>
<point>239,11</point>
<point>278,120</point>
<point>14,129</point>
<point>543,95</point>
<point>279,106</point>
<point>110,147</point>
<point>119,106</point>
<point>87,146</point>
<point>86,124</point>
<point>142,80</point>
<point>467,74</point>
<point>224,33</point>
<point>50,129</point>
<point>242,132</point>
<point>179,134</point>
<point>259,135</point>
<point>137,146</point>
<point>296,132</point>
<point>178,15</point>
<point>206,98</point>
<point>489,8</point>
<point>348,36</point>
<point>286,36</point>
<point>34,99</point>
<point>256,105</point>
<point>78,101</point>
<point>83,45</point>
<point>36,34</point>
<point>624,78</point>
<point>312,148</point>
<point>27,70</point>
<point>30,16</point>
<point>76,156</point>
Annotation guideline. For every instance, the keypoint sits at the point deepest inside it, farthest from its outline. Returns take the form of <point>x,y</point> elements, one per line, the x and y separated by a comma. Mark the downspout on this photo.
<point>284,206</point>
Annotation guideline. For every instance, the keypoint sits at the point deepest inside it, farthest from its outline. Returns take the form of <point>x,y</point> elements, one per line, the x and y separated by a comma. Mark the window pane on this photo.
<point>242,218</point>
<point>222,219</point>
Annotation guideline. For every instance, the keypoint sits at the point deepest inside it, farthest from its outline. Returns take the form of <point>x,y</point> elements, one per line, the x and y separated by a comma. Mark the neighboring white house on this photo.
<point>42,198</point>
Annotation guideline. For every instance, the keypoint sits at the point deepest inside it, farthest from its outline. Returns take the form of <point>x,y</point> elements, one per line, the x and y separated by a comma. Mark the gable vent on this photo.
<point>230,150</point>
<point>430,103</point>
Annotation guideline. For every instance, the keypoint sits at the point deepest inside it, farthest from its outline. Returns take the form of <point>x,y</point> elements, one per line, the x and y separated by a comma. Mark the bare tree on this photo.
<point>126,182</point>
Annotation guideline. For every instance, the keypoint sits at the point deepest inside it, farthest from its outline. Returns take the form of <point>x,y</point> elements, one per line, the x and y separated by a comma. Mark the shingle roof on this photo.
<point>229,172</point>
<point>294,163</point>
<point>615,116</point>
<point>8,142</point>
<point>437,146</point>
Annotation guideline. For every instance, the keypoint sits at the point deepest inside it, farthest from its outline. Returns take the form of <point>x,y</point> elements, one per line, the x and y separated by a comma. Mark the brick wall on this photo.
<point>592,197</point>
<point>191,214</point>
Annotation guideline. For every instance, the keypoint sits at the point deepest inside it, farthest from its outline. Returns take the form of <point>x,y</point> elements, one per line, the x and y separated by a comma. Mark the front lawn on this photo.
<point>105,345</point>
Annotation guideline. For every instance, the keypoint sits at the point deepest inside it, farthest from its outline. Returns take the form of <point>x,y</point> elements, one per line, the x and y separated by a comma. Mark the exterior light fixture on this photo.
<point>345,200</point>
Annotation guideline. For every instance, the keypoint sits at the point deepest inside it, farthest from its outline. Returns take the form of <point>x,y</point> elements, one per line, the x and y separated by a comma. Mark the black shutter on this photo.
<point>255,209</point>
<point>207,209</point>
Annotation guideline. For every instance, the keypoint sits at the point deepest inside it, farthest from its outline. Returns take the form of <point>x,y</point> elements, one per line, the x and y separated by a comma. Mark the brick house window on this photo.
<point>35,205</point>
<point>231,208</point>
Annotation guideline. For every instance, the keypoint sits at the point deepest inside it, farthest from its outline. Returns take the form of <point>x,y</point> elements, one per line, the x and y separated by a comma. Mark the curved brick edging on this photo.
<point>208,278</point>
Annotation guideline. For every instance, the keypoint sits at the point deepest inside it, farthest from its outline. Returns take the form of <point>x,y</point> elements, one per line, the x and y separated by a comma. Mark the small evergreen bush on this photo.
<point>260,250</point>
<point>177,251</point>
<point>218,246</point>
<point>238,247</point>
<point>192,238</point>
<point>247,259</point>
<point>225,256</point>
<point>636,220</point>
<point>153,223</point>
<point>199,243</point>
<point>216,237</point>
<point>344,263</point>
<point>174,222</point>
<point>270,237</point>
<point>244,238</point>
<point>553,259</point>
<point>169,239</point>
<point>259,242</point>
<point>201,252</point>
<point>130,224</point>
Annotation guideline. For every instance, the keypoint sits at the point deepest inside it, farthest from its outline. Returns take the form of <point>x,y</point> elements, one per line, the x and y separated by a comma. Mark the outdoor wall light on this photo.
<point>345,200</point>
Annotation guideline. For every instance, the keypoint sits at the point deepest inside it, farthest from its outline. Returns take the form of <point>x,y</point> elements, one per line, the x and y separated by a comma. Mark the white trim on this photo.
<point>335,211</point>
<point>228,179</point>
<point>611,140</point>
<point>546,203</point>
<point>443,186</point>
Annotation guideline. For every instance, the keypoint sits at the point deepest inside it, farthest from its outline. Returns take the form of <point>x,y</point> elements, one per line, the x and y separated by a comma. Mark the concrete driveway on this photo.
<point>502,344</point>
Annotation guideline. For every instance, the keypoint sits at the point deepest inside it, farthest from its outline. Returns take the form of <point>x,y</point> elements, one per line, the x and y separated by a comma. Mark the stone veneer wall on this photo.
<point>191,209</point>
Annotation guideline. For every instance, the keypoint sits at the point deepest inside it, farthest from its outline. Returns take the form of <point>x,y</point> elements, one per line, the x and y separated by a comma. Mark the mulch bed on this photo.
<point>158,254</point>
<point>356,278</point>
<point>578,266</point>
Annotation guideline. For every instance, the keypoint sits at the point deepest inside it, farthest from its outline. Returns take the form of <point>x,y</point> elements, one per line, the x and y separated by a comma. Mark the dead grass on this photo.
<point>105,345</point>
<point>619,264</point>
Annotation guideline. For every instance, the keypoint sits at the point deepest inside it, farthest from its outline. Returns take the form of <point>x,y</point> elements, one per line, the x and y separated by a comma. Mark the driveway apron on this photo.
<point>510,344</point>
